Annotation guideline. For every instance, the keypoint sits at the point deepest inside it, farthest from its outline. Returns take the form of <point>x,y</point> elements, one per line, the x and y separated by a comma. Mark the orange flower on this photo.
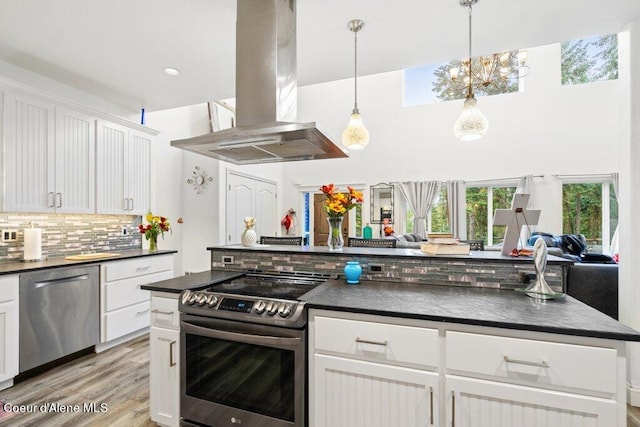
<point>336,203</point>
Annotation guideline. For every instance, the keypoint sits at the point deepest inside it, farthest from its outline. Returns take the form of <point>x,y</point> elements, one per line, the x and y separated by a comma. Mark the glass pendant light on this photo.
<point>355,136</point>
<point>471,124</point>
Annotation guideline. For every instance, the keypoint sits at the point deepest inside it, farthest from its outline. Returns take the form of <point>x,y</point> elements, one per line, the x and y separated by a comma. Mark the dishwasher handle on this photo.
<point>44,283</point>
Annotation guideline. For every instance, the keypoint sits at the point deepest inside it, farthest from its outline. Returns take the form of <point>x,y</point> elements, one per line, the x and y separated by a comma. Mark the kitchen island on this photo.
<point>404,347</point>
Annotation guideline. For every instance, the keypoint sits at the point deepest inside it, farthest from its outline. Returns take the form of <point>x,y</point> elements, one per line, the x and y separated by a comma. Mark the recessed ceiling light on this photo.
<point>171,71</point>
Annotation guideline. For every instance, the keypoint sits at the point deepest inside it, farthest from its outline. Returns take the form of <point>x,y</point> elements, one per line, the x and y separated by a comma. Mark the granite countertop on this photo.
<point>468,305</point>
<point>455,304</point>
<point>494,256</point>
<point>22,267</point>
<point>195,281</point>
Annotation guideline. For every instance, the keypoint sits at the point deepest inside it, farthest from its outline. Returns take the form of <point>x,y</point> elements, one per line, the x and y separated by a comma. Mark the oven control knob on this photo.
<point>201,299</point>
<point>284,310</point>
<point>261,306</point>
<point>188,298</point>
<point>272,308</point>
<point>212,300</point>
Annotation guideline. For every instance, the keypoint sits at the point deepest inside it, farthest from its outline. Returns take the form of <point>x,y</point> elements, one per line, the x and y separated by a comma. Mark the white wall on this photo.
<point>547,129</point>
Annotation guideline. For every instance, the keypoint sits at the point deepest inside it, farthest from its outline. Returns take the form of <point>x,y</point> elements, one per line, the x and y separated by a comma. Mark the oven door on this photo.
<point>235,373</point>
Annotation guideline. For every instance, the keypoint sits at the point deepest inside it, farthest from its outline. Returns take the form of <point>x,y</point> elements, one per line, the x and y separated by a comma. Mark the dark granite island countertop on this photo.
<point>468,305</point>
<point>23,267</point>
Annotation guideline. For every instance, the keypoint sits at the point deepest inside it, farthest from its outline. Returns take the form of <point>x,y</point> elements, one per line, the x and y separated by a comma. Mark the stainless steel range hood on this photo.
<point>266,94</point>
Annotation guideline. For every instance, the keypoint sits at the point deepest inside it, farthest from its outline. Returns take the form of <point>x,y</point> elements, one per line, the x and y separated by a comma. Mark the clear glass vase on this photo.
<point>153,243</point>
<point>335,241</point>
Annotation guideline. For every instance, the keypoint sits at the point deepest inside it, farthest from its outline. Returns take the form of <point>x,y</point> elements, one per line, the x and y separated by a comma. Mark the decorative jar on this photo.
<point>352,272</point>
<point>248,237</point>
<point>335,241</point>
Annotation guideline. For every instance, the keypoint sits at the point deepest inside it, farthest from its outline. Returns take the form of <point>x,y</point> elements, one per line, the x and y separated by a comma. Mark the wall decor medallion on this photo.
<point>199,180</point>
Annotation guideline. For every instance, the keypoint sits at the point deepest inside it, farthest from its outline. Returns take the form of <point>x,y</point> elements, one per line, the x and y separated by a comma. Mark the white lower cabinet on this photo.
<point>8,329</point>
<point>164,376</point>
<point>370,370</point>
<point>356,393</point>
<point>480,403</point>
<point>124,307</point>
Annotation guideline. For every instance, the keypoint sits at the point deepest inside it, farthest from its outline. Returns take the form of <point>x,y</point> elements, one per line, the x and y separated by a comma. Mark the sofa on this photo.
<point>595,285</point>
<point>409,240</point>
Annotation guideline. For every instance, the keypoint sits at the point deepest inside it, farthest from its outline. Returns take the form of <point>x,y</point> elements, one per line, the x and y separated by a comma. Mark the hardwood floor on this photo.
<point>118,377</point>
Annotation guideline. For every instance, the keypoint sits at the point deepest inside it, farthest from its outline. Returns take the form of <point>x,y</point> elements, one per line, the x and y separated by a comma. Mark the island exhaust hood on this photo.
<point>266,94</point>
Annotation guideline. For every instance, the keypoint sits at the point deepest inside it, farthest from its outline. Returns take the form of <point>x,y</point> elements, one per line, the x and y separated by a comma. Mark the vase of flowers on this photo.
<point>336,205</point>
<point>248,237</point>
<point>156,226</point>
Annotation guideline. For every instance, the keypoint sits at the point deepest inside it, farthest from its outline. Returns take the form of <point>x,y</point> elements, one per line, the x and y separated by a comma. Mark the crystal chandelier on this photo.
<point>496,69</point>
<point>471,124</point>
<point>355,136</point>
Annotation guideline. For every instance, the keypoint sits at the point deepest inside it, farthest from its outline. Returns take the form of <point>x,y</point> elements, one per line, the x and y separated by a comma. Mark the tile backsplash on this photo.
<point>68,234</point>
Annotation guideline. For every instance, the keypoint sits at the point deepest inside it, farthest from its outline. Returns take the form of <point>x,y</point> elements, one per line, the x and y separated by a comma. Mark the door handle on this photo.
<point>381,343</point>
<point>542,364</point>
<point>51,199</point>
<point>59,197</point>
<point>131,206</point>
<point>126,204</point>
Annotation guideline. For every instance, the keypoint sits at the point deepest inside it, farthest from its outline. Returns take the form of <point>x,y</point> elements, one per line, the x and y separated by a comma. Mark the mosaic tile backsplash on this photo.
<point>430,271</point>
<point>68,234</point>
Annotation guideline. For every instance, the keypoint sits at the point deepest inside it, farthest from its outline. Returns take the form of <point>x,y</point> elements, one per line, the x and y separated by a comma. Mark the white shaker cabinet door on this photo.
<point>481,403</point>
<point>355,393</point>
<point>111,139</point>
<point>164,376</point>
<point>28,154</point>
<point>137,172</point>
<point>8,328</point>
<point>75,162</point>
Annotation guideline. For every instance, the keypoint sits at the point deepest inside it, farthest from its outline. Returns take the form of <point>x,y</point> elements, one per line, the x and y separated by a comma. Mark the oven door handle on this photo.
<point>242,337</point>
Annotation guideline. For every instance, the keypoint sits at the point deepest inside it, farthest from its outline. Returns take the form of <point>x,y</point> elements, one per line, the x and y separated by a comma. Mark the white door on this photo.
<point>8,327</point>
<point>250,196</point>
<point>480,403</point>
<point>74,162</point>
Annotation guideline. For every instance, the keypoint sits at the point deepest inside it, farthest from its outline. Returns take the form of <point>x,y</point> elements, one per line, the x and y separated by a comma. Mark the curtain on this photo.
<point>456,207</point>
<point>525,186</point>
<point>614,248</point>
<point>420,196</point>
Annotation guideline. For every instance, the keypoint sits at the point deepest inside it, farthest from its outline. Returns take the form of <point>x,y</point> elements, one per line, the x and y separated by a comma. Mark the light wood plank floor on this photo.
<point>118,377</point>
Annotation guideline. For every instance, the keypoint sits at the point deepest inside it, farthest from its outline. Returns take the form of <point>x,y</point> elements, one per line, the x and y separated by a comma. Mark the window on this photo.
<point>590,209</point>
<point>429,84</point>
<point>481,204</point>
<point>438,218</point>
<point>589,59</point>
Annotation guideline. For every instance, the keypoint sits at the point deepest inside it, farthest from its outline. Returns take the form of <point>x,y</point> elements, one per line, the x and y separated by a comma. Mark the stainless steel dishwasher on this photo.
<point>59,313</point>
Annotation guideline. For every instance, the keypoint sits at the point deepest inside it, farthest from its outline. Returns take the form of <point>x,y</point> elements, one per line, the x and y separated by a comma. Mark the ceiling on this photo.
<point>116,49</point>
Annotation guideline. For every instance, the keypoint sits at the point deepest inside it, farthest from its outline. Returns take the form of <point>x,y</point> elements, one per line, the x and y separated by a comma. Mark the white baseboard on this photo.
<point>633,396</point>
<point>107,345</point>
<point>6,384</point>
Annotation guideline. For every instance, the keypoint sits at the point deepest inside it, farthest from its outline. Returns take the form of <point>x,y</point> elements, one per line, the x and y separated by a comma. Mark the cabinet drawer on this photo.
<point>125,320</point>
<point>118,270</point>
<point>125,292</point>
<point>9,287</point>
<point>164,313</point>
<point>532,362</point>
<point>377,341</point>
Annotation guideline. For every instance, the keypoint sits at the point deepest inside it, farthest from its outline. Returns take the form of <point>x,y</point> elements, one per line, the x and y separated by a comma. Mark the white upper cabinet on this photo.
<point>124,167</point>
<point>49,157</point>
<point>74,162</point>
<point>28,154</point>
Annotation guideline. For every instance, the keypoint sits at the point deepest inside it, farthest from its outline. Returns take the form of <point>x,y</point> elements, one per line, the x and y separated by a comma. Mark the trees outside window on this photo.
<point>590,209</point>
<point>481,204</point>
<point>589,59</point>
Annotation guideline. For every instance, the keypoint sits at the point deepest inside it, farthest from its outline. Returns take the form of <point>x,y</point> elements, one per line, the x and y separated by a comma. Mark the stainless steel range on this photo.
<point>244,351</point>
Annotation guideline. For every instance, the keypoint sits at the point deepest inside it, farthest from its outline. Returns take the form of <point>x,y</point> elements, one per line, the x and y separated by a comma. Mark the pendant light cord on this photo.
<point>355,72</point>
<point>469,91</point>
